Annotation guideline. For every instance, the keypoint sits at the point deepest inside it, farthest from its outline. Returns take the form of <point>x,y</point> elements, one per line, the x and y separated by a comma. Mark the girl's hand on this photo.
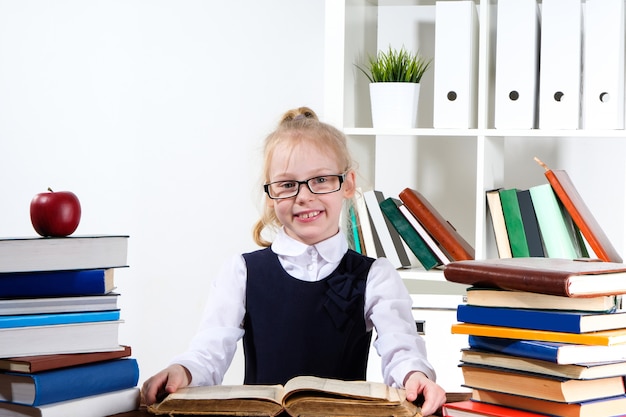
<point>165,382</point>
<point>417,383</point>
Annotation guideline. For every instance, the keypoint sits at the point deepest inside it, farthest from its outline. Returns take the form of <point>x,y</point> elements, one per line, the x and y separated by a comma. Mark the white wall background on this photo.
<point>153,112</point>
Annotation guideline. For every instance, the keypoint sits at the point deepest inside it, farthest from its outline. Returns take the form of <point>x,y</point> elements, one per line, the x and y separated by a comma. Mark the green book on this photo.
<point>514,223</point>
<point>414,241</point>
<point>553,223</point>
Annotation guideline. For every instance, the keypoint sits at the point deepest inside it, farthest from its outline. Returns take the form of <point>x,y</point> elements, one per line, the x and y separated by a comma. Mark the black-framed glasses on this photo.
<point>323,184</point>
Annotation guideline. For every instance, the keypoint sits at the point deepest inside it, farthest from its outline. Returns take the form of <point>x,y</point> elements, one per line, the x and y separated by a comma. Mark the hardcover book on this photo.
<point>31,320</point>
<point>473,408</point>
<point>107,404</point>
<point>497,222</point>
<point>602,338</point>
<point>513,222</point>
<point>38,363</point>
<point>42,305</point>
<point>31,254</point>
<point>69,383</point>
<point>593,370</point>
<point>57,283</point>
<point>414,241</point>
<point>557,321</point>
<point>438,227</point>
<point>303,395</point>
<point>540,386</point>
<point>531,225</point>
<point>562,277</point>
<point>496,297</point>
<point>583,218</point>
<point>555,352</point>
<point>603,407</point>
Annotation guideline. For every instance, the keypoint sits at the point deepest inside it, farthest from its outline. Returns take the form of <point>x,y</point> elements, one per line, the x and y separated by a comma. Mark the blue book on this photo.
<point>69,383</point>
<point>56,283</point>
<point>548,320</point>
<point>29,320</point>
<point>561,353</point>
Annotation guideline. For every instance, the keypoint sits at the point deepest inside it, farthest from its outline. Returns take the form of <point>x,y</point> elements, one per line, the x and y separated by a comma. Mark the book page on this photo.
<point>355,389</point>
<point>224,392</point>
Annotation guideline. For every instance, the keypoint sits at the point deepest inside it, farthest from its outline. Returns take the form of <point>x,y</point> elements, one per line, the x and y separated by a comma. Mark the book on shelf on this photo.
<point>601,338</point>
<point>496,215</point>
<point>371,243</point>
<point>100,405</point>
<point>423,253</point>
<point>302,395</point>
<point>59,338</point>
<point>584,219</point>
<point>69,383</point>
<point>530,223</point>
<point>57,283</point>
<point>562,277</point>
<point>592,370</point>
<point>439,228</point>
<point>541,386</point>
<point>354,236</point>
<point>603,407</point>
<point>40,305</point>
<point>432,243</point>
<point>550,320</point>
<point>47,319</point>
<point>555,224</point>
<point>390,240</point>
<point>513,222</point>
<point>555,352</point>
<point>31,254</point>
<point>497,297</point>
<point>470,408</point>
<point>39,363</point>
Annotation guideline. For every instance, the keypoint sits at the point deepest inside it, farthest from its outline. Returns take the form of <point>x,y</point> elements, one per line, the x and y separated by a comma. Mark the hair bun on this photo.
<point>298,114</point>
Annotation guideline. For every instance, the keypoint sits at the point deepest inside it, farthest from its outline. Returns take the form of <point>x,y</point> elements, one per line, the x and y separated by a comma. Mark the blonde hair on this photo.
<point>298,126</point>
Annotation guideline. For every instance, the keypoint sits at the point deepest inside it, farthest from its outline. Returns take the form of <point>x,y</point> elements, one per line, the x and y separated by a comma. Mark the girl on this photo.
<point>305,305</point>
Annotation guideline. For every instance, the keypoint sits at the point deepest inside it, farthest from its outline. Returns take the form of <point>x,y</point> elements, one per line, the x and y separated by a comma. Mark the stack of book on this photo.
<point>547,220</point>
<point>392,227</point>
<point>59,319</point>
<point>546,336</point>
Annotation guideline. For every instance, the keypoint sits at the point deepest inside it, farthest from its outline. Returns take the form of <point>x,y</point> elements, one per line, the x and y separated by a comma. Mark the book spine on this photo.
<point>57,283</point>
<point>29,320</point>
<point>498,224</point>
<point>544,351</point>
<point>531,226</point>
<point>521,318</point>
<point>85,380</point>
<point>441,230</point>
<point>409,234</point>
<point>514,225</point>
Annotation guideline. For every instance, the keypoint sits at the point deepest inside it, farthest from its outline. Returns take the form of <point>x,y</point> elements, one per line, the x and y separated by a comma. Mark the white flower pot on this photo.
<point>394,104</point>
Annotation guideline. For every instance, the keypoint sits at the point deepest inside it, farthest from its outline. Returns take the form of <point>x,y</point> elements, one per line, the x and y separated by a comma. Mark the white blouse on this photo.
<point>387,310</point>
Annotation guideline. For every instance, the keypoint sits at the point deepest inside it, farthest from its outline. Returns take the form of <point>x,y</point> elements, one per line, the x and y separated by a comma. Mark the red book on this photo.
<point>555,276</point>
<point>583,218</point>
<point>439,228</point>
<point>473,408</point>
<point>38,363</point>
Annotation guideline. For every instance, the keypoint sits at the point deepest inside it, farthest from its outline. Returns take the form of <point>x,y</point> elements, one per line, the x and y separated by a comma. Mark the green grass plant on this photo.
<point>396,65</point>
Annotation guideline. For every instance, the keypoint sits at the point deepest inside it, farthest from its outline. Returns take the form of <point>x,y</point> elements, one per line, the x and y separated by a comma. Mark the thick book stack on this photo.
<point>547,220</point>
<point>59,319</point>
<point>545,335</point>
<point>392,227</point>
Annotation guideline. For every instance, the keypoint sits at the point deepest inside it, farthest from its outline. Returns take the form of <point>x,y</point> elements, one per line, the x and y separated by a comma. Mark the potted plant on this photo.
<point>395,77</point>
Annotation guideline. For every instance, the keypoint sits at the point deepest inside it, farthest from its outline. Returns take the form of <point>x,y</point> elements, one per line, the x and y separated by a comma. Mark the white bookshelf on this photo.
<point>454,167</point>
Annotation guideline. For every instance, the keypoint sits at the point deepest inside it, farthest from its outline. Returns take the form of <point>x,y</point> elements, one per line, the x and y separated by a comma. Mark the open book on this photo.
<point>300,396</point>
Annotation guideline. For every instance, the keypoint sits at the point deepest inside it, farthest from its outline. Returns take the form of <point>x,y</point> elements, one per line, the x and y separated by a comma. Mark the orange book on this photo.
<point>439,228</point>
<point>583,218</point>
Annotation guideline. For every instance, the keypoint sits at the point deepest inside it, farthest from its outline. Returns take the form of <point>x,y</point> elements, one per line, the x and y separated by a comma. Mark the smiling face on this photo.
<point>307,217</point>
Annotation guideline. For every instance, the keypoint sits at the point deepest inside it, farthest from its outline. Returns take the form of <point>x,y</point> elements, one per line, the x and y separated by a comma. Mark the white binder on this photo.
<point>603,65</point>
<point>560,64</point>
<point>517,59</point>
<point>455,64</point>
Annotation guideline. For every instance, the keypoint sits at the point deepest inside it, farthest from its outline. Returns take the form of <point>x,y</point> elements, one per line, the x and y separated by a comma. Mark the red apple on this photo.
<point>55,214</point>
